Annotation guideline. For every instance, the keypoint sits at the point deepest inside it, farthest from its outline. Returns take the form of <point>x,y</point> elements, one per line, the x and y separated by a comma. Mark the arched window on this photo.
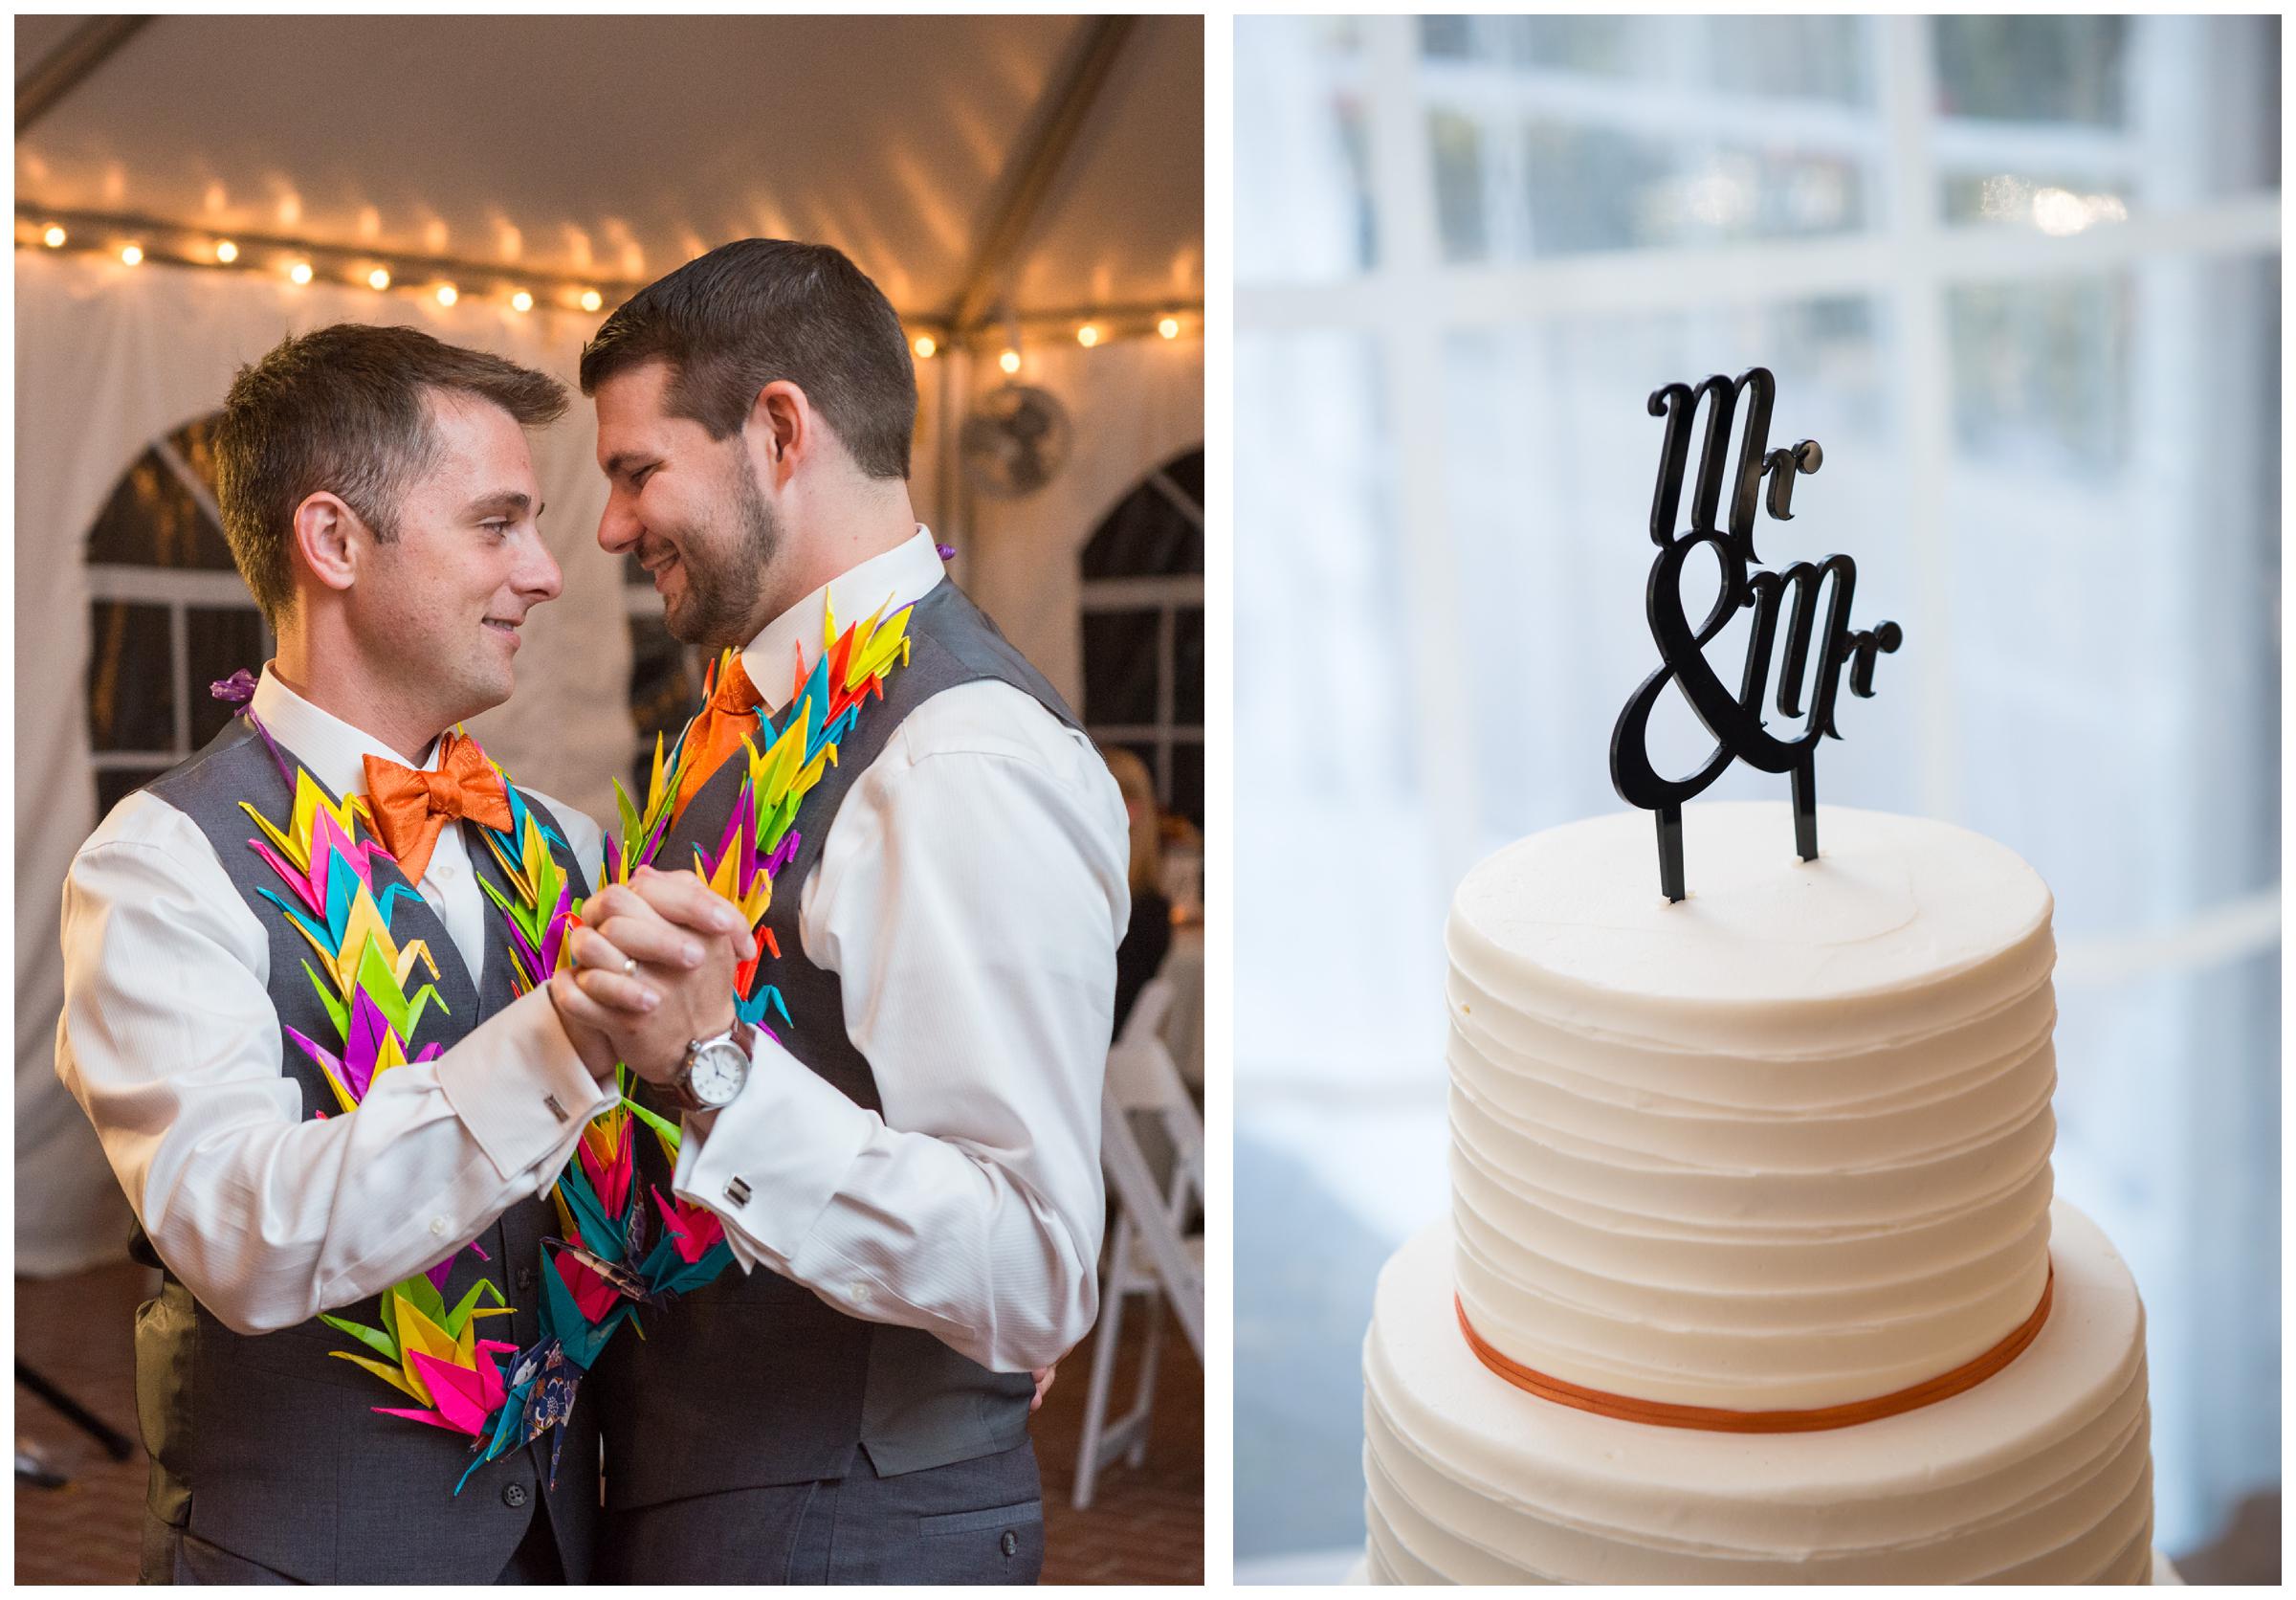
<point>665,675</point>
<point>169,614</point>
<point>1142,597</point>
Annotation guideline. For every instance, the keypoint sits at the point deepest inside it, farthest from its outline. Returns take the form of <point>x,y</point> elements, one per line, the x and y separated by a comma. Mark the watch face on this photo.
<point>719,1073</point>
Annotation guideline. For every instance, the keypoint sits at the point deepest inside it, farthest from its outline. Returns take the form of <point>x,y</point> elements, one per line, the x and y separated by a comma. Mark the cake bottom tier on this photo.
<point>2043,1473</point>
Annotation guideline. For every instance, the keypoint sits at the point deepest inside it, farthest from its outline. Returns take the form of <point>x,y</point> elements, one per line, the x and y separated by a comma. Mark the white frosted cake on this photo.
<point>1741,1186</point>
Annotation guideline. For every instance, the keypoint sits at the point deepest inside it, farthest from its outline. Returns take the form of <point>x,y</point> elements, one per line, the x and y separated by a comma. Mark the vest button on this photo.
<point>525,1280</point>
<point>1011,1542</point>
<point>514,1496</point>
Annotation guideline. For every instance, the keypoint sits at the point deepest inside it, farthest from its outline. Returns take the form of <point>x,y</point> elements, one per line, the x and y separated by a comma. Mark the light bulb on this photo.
<point>301,272</point>
<point>1169,328</point>
<point>448,294</point>
<point>226,251</point>
<point>1088,336</point>
<point>522,301</point>
<point>378,280</point>
<point>1010,360</point>
<point>132,254</point>
<point>592,300</point>
<point>925,346</point>
<point>54,238</point>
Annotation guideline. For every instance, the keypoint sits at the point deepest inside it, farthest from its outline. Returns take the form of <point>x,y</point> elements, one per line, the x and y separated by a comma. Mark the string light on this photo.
<point>193,245</point>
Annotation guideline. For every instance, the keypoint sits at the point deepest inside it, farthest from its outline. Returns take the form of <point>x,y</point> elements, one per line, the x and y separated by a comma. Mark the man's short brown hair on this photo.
<point>761,311</point>
<point>346,409</point>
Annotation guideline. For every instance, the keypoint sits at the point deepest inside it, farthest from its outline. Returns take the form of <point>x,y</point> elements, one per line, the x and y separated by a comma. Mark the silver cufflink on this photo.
<point>738,1192</point>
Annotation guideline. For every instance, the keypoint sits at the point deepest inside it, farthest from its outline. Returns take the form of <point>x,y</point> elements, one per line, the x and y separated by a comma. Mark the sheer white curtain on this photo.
<point>2020,277</point>
<point>109,358</point>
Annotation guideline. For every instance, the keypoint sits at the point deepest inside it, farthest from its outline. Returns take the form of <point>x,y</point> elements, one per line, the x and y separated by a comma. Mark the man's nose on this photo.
<point>618,527</point>
<point>540,579</point>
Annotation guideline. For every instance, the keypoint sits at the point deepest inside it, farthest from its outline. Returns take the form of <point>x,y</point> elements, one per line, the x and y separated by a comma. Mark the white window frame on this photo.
<point>1167,595</point>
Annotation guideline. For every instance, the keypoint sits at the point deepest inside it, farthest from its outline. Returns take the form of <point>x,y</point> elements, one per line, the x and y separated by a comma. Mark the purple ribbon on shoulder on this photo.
<point>238,692</point>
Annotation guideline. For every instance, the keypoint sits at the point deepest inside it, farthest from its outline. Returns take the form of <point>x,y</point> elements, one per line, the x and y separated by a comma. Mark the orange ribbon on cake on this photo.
<point>1717,1419</point>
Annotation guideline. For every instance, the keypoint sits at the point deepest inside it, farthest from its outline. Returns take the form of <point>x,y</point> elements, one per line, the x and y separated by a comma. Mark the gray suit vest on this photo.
<point>265,1446</point>
<point>753,1379</point>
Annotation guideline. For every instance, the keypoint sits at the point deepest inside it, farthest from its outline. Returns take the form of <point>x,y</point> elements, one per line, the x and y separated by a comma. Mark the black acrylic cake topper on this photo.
<point>1736,720</point>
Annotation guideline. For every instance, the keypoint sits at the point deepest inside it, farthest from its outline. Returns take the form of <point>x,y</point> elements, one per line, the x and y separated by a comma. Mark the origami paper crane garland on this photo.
<point>427,1350</point>
<point>601,1269</point>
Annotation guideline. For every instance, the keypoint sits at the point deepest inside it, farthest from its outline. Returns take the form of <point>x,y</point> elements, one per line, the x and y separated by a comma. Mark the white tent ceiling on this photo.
<point>618,147</point>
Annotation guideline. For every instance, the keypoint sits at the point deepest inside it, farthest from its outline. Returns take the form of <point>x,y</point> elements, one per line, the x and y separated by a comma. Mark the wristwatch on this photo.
<point>712,1070</point>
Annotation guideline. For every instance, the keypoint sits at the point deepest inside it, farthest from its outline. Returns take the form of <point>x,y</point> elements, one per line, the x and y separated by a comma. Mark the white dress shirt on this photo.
<point>171,1043</point>
<point>969,895</point>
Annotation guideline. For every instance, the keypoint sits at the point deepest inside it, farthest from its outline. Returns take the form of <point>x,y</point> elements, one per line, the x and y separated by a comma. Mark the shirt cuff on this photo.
<point>775,1158</point>
<point>520,1088</point>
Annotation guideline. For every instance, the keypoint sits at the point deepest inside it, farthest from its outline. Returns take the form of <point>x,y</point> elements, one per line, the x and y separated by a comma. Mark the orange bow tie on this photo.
<point>730,716</point>
<point>411,808</point>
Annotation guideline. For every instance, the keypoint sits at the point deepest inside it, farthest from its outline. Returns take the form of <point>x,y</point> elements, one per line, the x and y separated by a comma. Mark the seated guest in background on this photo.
<point>304,1050</point>
<point>1148,936</point>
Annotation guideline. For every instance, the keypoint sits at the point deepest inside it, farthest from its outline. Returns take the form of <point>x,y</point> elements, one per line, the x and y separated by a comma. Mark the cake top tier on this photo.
<point>1570,923</point>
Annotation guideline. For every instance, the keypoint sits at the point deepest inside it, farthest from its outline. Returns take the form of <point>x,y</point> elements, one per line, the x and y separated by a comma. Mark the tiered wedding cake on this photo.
<point>1781,1148</point>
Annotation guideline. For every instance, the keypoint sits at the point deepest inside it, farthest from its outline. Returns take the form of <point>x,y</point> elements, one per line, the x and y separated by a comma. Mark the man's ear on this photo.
<point>779,430</point>
<point>325,538</point>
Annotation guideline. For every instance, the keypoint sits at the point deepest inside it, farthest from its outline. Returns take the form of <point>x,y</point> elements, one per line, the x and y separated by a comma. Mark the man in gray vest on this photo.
<point>380,501</point>
<point>901,1138</point>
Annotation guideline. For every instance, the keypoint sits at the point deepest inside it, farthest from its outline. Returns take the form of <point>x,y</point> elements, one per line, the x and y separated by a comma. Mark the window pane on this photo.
<point>2032,69</point>
<point>154,519</point>
<point>2041,371</point>
<point>131,685</point>
<point>664,689</point>
<point>1607,189</point>
<point>1187,663</point>
<point>2063,124</point>
<point>1303,161</point>
<point>1120,666</point>
<point>218,641</point>
<point>1323,693</point>
<point>1186,472</point>
<point>1146,535</point>
<point>115,784</point>
<point>1188,782</point>
<point>1799,57</point>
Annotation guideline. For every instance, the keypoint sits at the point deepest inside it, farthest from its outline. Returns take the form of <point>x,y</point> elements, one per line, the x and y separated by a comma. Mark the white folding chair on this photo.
<point>1149,1252</point>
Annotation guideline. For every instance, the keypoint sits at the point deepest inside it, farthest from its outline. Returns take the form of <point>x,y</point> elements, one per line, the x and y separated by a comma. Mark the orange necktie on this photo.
<point>729,718</point>
<point>412,808</point>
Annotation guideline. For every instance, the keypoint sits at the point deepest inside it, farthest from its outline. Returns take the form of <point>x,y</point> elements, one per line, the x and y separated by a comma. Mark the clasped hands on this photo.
<point>653,963</point>
<point>652,970</point>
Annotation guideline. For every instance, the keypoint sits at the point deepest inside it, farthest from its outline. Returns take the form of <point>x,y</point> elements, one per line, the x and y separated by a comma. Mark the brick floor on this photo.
<point>1144,1526</point>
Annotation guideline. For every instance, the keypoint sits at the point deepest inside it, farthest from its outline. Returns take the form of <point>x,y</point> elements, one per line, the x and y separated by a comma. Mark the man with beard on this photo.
<point>290,1010</point>
<point>898,1123</point>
